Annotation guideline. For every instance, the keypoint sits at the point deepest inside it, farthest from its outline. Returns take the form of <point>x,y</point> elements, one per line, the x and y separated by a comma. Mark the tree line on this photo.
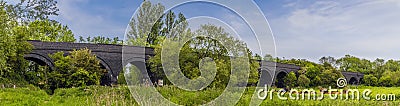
<point>378,72</point>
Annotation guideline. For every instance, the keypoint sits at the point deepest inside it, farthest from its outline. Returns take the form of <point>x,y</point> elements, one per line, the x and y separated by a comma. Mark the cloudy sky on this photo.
<point>302,28</point>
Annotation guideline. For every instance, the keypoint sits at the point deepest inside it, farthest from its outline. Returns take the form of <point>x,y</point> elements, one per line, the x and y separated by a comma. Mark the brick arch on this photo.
<point>353,80</point>
<point>279,78</point>
<point>141,65</point>
<point>353,77</point>
<point>40,59</point>
<point>266,77</point>
<point>108,77</point>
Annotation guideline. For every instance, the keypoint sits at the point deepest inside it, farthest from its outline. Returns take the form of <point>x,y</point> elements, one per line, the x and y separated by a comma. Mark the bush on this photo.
<point>303,81</point>
<point>80,68</point>
<point>386,81</point>
<point>370,80</point>
<point>290,79</point>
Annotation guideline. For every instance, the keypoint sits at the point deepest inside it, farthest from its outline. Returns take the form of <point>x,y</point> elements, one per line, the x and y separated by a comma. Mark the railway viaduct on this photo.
<point>114,57</point>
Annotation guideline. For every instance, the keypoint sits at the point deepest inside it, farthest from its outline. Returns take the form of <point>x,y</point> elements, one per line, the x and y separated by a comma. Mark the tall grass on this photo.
<point>121,96</point>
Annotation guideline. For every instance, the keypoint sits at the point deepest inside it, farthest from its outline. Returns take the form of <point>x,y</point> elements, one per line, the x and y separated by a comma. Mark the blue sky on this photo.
<point>302,28</point>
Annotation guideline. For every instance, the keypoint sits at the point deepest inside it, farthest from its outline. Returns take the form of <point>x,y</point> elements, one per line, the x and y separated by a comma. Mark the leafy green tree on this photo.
<point>201,47</point>
<point>27,20</point>
<point>50,31</point>
<point>353,64</point>
<point>303,81</point>
<point>80,68</point>
<point>254,74</point>
<point>329,77</point>
<point>328,60</point>
<point>392,65</point>
<point>31,10</point>
<point>290,79</point>
<point>312,71</point>
<point>146,23</point>
<point>378,67</point>
<point>13,46</point>
<point>268,57</point>
<point>35,14</point>
<point>386,81</point>
<point>370,80</point>
<point>317,81</point>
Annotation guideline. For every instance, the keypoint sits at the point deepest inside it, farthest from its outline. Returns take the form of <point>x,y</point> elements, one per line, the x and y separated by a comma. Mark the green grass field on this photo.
<point>99,95</point>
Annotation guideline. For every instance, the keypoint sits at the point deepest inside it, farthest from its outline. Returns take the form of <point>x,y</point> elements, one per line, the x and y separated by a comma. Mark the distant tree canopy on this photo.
<point>100,40</point>
<point>376,73</point>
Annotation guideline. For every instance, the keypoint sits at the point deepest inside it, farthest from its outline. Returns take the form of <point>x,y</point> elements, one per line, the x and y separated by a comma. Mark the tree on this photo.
<point>206,45</point>
<point>80,68</point>
<point>378,67</point>
<point>35,14</point>
<point>386,81</point>
<point>268,57</point>
<point>50,31</point>
<point>328,60</point>
<point>146,23</point>
<point>13,46</point>
<point>254,74</point>
<point>329,77</point>
<point>303,81</point>
<point>392,65</point>
<point>353,64</point>
<point>370,80</point>
<point>317,81</point>
<point>31,10</point>
<point>290,79</point>
<point>257,57</point>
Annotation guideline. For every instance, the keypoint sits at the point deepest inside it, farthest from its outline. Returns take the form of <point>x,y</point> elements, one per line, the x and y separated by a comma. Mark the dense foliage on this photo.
<point>13,46</point>
<point>152,28</point>
<point>29,20</point>
<point>79,68</point>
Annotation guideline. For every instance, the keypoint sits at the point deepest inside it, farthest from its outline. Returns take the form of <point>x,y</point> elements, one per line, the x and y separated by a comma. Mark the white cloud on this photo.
<point>84,23</point>
<point>366,29</point>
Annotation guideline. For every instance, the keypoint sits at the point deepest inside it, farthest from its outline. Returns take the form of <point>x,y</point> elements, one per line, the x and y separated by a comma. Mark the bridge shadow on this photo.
<point>280,79</point>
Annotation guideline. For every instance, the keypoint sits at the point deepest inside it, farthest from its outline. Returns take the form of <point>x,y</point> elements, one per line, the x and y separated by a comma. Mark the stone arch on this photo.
<point>142,69</point>
<point>265,76</point>
<point>107,78</point>
<point>353,81</point>
<point>40,59</point>
<point>280,79</point>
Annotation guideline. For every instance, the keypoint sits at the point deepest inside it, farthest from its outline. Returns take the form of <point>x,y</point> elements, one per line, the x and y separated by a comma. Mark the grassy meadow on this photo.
<point>121,96</point>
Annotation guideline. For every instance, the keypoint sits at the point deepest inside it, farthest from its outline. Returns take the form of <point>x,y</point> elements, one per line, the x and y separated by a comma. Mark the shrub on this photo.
<point>290,79</point>
<point>303,81</point>
<point>370,80</point>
